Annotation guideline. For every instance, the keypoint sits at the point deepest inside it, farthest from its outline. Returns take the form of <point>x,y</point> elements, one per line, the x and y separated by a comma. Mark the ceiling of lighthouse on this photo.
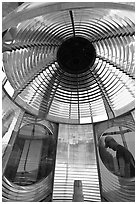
<point>71,62</point>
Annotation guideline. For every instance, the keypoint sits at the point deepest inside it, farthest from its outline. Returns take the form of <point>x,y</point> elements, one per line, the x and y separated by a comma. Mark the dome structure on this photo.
<point>71,62</point>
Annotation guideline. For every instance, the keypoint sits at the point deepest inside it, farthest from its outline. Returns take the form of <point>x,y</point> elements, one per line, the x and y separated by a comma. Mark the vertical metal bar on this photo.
<point>105,97</point>
<point>72,21</point>
<point>56,132</point>
<point>32,135</point>
<point>97,159</point>
<point>123,137</point>
<point>90,109</point>
<point>133,115</point>
<point>54,92</point>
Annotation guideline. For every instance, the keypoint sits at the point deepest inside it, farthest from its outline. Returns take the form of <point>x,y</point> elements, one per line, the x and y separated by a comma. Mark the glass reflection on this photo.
<point>31,158</point>
<point>76,160</point>
<point>116,151</point>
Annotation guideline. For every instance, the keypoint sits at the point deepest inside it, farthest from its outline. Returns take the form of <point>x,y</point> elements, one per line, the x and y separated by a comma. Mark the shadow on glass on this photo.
<point>117,150</point>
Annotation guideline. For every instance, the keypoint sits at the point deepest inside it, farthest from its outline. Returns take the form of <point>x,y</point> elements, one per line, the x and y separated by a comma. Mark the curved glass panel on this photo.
<point>116,148</point>
<point>31,158</point>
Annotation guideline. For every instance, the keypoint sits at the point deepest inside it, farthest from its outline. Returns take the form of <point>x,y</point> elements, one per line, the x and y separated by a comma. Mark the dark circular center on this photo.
<point>76,55</point>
